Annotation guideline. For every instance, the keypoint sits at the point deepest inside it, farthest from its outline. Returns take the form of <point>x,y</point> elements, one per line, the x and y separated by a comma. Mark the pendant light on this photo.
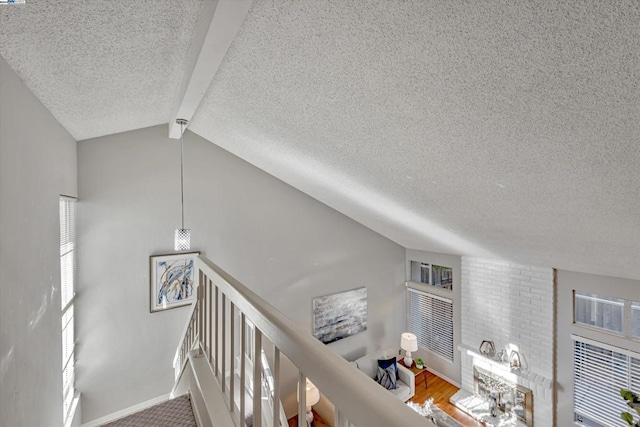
<point>183,235</point>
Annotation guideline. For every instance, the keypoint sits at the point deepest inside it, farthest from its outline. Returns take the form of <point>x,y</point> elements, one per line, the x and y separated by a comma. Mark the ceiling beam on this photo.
<point>217,26</point>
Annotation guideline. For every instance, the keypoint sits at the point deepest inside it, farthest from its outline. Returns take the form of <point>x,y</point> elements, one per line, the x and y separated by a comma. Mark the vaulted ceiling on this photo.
<point>495,128</point>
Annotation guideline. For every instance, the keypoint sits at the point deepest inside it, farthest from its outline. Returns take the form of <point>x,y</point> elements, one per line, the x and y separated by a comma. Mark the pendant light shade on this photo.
<point>182,238</point>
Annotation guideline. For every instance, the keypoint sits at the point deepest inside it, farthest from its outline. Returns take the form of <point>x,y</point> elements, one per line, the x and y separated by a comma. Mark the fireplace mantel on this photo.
<point>503,368</point>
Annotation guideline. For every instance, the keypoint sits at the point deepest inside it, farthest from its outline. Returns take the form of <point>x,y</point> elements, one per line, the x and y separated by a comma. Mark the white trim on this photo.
<point>606,346</point>
<point>217,27</point>
<point>196,413</point>
<point>444,377</point>
<point>427,292</point>
<point>503,368</point>
<point>127,411</point>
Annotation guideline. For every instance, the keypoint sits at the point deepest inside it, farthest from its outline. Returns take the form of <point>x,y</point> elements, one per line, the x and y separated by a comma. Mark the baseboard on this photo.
<point>444,377</point>
<point>127,411</point>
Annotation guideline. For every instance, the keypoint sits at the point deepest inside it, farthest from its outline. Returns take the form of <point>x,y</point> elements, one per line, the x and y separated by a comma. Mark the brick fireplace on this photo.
<point>509,397</point>
<point>512,305</point>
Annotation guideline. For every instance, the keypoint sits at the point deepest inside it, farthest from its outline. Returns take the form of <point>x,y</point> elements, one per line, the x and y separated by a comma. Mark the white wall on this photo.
<point>569,281</point>
<point>435,363</point>
<point>510,303</point>
<point>37,164</point>
<point>280,242</point>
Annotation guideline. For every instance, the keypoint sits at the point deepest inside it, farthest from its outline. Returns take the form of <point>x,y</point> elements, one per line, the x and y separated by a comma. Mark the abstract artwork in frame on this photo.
<point>172,280</point>
<point>340,315</point>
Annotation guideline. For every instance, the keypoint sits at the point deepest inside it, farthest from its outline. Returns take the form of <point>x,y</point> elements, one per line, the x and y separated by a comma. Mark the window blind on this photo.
<point>67,292</point>
<point>430,318</point>
<point>67,249</point>
<point>600,371</point>
<point>635,374</point>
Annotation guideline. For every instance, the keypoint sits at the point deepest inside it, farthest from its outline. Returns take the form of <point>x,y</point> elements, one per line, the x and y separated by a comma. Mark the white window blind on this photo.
<point>67,292</point>
<point>430,318</point>
<point>600,371</point>
<point>67,248</point>
<point>635,374</point>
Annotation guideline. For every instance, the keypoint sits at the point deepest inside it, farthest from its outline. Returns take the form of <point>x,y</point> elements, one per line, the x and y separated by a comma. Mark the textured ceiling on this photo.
<point>502,128</point>
<point>100,66</point>
<point>499,128</point>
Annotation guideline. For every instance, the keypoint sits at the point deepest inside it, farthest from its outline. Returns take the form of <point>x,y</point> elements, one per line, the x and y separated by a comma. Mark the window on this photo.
<point>617,315</point>
<point>420,272</point>
<point>67,293</point>
<point>599,312</point>
<point>430,318</point>
<point>431,274</point>
<point>600,371</point>
<point>635,319</point>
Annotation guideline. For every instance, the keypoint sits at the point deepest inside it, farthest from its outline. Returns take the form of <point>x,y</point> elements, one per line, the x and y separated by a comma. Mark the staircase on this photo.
<point>229,360</point>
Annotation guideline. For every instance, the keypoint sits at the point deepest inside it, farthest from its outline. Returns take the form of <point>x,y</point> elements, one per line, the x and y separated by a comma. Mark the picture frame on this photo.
<point>171,280</point>
<point>340,315</point>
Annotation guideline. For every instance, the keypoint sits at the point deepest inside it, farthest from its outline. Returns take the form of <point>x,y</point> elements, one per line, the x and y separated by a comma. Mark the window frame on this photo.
<point>589,381</point>
<point>68,248</point>
<point>627,315</point>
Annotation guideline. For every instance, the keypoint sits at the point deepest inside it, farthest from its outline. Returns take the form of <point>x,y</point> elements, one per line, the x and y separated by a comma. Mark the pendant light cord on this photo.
<point>182,123</point>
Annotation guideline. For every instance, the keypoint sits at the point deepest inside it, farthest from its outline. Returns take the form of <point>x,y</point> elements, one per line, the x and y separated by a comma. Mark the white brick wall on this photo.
<point>510,303</point>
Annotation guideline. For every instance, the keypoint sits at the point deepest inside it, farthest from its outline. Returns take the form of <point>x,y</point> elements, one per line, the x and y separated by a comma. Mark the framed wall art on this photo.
<point>340,315</point>
<point>172,280</point>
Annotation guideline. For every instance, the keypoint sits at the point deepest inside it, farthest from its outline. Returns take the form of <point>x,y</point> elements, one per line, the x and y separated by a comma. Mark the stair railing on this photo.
<point>217,326</point>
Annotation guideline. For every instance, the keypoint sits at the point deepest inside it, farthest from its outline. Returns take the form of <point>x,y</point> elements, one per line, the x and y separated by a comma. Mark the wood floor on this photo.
<point>437,388</point>
<point>441,391</point>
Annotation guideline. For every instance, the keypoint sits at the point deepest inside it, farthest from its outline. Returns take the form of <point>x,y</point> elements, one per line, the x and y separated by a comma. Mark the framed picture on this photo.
<point>340,315</point>
<point>172,280</point>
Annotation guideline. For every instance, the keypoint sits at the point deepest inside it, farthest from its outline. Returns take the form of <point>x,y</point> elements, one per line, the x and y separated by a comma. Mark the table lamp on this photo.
<point>409,343</point>
<point>313,397</point>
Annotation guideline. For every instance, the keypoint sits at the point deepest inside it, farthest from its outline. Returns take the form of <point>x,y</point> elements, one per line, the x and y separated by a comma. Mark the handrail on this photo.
<point>355,397</point>
<point>184,332</point>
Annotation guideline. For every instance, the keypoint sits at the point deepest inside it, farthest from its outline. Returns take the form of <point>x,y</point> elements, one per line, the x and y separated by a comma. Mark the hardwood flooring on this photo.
<point>441,391</point>
<point>437,388</point>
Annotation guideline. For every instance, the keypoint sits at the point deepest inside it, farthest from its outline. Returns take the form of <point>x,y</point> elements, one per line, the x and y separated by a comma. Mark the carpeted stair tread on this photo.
<point>173,413</point>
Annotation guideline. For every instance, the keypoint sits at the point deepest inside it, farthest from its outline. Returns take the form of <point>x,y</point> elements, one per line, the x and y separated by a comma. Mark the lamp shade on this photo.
<point>182,241</point>
<point>409,342</point>
<point>312,393</point>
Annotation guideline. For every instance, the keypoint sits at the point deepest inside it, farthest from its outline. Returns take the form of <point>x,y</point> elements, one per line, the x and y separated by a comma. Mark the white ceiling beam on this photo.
<point>217,26</point>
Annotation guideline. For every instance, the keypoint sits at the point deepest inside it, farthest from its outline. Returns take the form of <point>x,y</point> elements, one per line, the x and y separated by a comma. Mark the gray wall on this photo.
<point>567,282</point>
<point>280,242</point>
<point>435,363</point>
<point>37,164</point>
